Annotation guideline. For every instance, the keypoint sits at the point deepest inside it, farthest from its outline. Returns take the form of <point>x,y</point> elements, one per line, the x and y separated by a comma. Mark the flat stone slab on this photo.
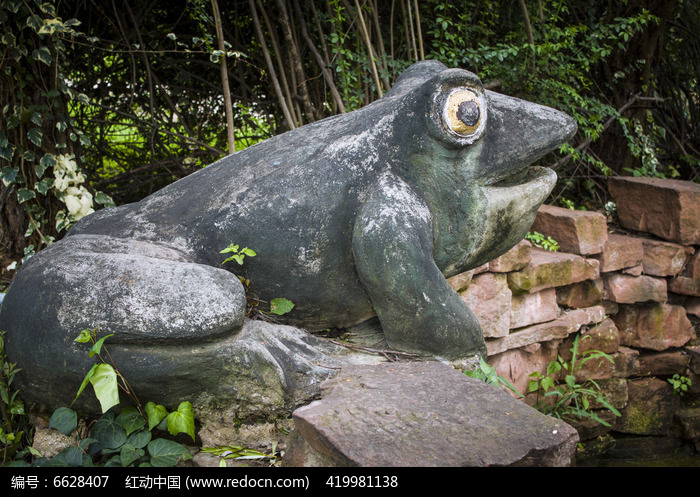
<point>578,232</point>
<point>424,414</point>
<point>552,269</point>
<point>625,289</point>
<point>562,327</point>
<point>667,208</point>
<point>621,252</point>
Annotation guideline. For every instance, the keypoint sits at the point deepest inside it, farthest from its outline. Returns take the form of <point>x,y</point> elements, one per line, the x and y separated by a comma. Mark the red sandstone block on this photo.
<point>515,259</point>
<point>583,294</point>
<point>653,326</point>
<point>533,308</point>
<point>577,232</point>
<point>667,208</point>
<point>625,289</point>
<point>664,258</point>
<point>489,297</point>
<point>552,269</point>
<point>620,252</point>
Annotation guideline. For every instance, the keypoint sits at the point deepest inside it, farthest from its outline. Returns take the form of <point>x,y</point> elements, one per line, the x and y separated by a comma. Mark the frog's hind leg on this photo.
<point>145,294</point>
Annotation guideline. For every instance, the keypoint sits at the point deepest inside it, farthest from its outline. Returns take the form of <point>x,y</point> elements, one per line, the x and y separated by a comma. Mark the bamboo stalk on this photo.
<point>365,34</point>
<point>296,61</point>
<point>271,67</point>
<point>224,79</point>
<point>319,60</point>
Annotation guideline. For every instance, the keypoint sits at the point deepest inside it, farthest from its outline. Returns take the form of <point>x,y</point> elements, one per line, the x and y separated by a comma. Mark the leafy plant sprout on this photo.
<point>571,400</point>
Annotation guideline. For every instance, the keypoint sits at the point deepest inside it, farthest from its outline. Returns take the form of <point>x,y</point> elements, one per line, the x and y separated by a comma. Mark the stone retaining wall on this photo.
<point>634,289</point>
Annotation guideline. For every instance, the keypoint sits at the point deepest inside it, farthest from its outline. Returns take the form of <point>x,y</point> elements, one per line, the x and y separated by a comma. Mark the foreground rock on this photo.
<point>424,414</point>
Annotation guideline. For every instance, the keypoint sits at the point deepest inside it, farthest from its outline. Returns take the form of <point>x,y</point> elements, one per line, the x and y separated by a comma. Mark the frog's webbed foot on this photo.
<point>393,250</point>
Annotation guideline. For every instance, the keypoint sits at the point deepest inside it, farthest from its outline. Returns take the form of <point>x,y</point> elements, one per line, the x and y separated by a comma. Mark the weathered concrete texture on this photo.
<point>552,269</point>
<point>577,232</point>
<point>568,323</point>
<point>489,298</point>
<point>667,208</point>
<point>653,326</point>
<point>620,252</point>
<point>426,414</point>
<point>664,258</point>
<point>650,408</point>
<point>625,289</point>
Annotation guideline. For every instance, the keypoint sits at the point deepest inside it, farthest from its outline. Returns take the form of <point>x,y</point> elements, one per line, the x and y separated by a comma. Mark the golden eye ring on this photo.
<point>463,112</point>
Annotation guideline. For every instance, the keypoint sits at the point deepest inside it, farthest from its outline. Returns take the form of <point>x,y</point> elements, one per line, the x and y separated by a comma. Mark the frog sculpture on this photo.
<point>359,215</point>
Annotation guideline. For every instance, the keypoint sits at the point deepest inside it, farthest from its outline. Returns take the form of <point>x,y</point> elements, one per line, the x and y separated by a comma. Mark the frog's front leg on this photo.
<point>393,251</point>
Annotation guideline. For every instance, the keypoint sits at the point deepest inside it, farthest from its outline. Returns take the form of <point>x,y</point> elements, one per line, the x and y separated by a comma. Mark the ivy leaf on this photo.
<point>182,420</point>
<point>47,161</point>
<point>44,185</point>
<point>166,453</point>
<point>156,413</point>
<point>8,174</point>
<point>24,194</point>
<point>131,420</point>
<point>64,420</point>
<point>109,433</point>
<point>35,135</point>
<point>280,306</point>
<point>129,454</point>
<point>42,54</point>
<point>104,382</point>
<point>104,199</point>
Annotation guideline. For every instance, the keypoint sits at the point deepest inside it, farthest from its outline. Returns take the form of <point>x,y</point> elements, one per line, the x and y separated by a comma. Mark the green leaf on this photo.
<point>166,453</point>
<point>73,456</point>
<point>44,185</point>
<point>182,420</point>
<point>156,413</point>
<point>64,420</point>
<point>47,161</point>
<point>104,199</point>
<point>109,433</point>
<point>231,248</point>
<point>104,382</point>
<point>8,173</point>
<point>86,380</point>
<point>130,454</point>
<point>280,306</point>
<point>97,347</point>
<point>24,194</point>
<point>35,135</point>
<point>84,337</point>
<point>131,420</point>
<point>249,252</point>
<point>139,439</point>
<point>42,54</point>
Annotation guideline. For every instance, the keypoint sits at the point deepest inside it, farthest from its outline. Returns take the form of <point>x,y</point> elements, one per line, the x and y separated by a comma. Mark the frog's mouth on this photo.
<point>511,207</point>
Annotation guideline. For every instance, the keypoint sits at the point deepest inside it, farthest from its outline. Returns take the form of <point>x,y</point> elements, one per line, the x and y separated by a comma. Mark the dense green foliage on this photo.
<point>126,97</point>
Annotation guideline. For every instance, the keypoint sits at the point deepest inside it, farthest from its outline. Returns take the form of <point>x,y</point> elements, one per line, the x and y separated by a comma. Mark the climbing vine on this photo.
<point>40,147</point>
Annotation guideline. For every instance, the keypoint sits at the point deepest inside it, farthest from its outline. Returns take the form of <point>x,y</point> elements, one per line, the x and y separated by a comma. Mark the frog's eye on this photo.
<point>463,113</point>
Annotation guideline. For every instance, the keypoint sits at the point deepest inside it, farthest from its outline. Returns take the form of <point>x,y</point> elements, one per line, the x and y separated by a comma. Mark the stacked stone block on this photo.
<point>633,289</point>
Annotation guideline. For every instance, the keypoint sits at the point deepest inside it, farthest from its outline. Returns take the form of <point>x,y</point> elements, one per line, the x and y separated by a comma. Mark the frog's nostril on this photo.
<point>468,113</point>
